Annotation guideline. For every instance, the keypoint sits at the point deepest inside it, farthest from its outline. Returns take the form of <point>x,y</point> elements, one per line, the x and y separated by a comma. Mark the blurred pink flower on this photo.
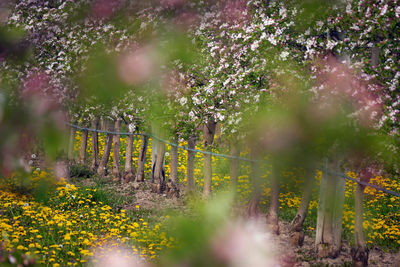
<point>235,11</point>
<point>137,66</point>
<point>42,98</point>
<point>172,3</point>
<point>186,19</point>
<point>281,135</point>
<point>61,170</point>
<point>339,85</point>
<point>245,243</point>
<point>116,257</point>
<point>103,9</point>
<point>35,83</point>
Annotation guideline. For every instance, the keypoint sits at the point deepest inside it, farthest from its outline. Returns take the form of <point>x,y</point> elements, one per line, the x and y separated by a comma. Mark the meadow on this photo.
<point>381,210</point>
<point>76,220</point>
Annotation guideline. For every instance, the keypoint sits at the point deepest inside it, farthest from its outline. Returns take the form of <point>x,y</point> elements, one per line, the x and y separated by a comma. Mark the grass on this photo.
<point>108,191</point>
<point>75,221</point>
<point>96,197</point>
<point>104,191</point>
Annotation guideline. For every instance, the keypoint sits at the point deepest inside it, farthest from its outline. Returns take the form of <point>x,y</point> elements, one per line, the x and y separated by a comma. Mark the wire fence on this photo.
<point>162,140</point>
<point>341,175</point>
<point>346,177</point>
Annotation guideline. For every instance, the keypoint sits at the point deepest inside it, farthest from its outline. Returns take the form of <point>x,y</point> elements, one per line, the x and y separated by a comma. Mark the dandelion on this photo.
<point>84,252</point>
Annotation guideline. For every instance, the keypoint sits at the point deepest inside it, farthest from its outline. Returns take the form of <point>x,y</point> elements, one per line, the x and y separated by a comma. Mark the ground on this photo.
<point>306,256</point>
<point>133,196</point>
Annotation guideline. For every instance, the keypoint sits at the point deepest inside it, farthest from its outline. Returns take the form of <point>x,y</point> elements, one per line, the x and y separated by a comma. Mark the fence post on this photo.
<point>234,164</point>
<point>71,143</point>
<point>208,136</point>
<point>190,162</point>
<point>142,158</point>
<point>330,211</point>
<point>83,148</point>
<point>174,161</point>
<point>95,144</point>
<point>154,152</point>
<point>102,169</point>
<point>253,209</point>
<point>116,172</point>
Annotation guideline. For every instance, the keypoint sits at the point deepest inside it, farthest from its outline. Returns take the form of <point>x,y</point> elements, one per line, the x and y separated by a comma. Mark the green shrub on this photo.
<point>80,171</point>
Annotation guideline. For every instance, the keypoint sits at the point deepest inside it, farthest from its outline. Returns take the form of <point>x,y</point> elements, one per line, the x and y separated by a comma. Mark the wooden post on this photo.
<point>234,164</point>
<point>359,252</point>
<point>330,211</point>
<point>172,185</point>
<point>102,169</point>
<point>115,167</point>
<point>296,227</point>
<point>95,144</point>
<point>142,158</point>
<point>208,135</point>
<point>154,152</point>
<point>253,209</point>
<point>82,152</point>
<point>71,143</point>
<point>190,163</point>
<point>174,162</point>
<point>159,178</point>
<point>272,215</point>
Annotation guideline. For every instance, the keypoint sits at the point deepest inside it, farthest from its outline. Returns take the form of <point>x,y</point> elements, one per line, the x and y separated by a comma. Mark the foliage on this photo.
<point>81,171</point>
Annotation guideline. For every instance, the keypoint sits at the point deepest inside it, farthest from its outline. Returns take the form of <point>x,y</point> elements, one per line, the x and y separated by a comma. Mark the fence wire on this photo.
<point>164,141</point>
<point>346,177</point>
<point>341,175</point>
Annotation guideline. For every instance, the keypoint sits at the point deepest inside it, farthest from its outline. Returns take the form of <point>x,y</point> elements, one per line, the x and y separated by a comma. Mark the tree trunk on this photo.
<point>234,164</point>
<point>360,251</point>
<point>142,158</point>
<point>95,145</point>
<point>82,152</point>
<point>102,170</point>
<point>128,172</point>
<point>116,172</point>
<point>190,163</point>
<point>71,143</point>
<point>174,162</point>
<point>272,215</point>
<point>159,175</point>
<point>104,124</point>
<point>208,135</point>
<point>296,227</point>
<point>154,152</point>
<point>330,212</point>
<point>254,204</point>
<point>172,185</point>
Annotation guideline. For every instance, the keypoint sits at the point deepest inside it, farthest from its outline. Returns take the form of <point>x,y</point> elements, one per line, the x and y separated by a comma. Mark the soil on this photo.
<point>306,255</point>
<point>146,199</point>
<point>137,194</point>
<point>291,255</point>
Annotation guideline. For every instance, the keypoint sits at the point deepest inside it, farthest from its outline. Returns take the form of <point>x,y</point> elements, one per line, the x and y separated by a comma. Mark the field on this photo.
<point>83,216</point>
